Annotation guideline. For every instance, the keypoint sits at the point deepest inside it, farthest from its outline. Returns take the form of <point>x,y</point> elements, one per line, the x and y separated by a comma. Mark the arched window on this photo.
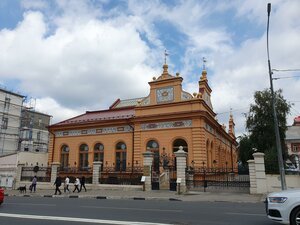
<point>64,159</point>
<point>99,153</point>
<point>176,144</point>
<point>121,156</point>
<point>153,146</point>
<point>207,154</point>
<point>83,156</point>
<point>180,142</point>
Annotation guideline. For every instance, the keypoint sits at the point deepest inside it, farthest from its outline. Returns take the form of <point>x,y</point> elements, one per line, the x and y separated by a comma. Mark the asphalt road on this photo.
<point>84,211</point>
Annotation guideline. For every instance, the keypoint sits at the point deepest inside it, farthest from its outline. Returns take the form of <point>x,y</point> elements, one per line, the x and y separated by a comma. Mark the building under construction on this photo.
<point>22,128</point>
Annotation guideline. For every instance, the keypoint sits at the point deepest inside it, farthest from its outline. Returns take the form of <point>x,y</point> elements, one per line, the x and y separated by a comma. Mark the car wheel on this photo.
<point>295,216</point>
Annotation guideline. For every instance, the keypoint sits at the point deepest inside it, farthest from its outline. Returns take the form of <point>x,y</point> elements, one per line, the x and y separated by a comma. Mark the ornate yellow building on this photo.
<point>167,118</point>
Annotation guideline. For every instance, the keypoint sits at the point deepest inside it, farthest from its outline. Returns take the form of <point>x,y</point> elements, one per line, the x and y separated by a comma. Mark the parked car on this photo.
<point>291,168</point>
<point>284,206</point>
<point>1,195</point>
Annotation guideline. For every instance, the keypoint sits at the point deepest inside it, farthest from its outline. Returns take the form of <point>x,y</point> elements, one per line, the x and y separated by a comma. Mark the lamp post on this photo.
<point>278,144</point>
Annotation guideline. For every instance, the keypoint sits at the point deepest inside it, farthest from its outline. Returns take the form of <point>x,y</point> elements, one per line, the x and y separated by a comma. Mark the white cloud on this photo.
<point>84,65</point>
<point>82,56</point>
<point>58,112</point>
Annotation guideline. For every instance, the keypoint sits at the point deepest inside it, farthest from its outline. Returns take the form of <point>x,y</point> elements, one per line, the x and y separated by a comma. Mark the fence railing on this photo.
<point>272,167</point>
<point>130,176</point>
<point>43,174</point>
<point>217,178</point>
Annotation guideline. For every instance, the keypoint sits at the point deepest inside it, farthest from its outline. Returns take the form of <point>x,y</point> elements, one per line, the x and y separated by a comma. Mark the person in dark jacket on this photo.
<point>82,183</point>
<point>57,184</point>
<point>33,184</point>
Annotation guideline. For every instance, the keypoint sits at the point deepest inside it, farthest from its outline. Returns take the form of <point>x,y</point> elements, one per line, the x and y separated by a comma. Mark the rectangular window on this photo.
<point>6,103</point>
<point>4,123</point>
<point>38,135</point>
<point>296,147</point>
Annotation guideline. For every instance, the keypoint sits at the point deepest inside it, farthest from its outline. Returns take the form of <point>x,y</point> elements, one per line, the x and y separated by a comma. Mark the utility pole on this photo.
<point>278,143</point>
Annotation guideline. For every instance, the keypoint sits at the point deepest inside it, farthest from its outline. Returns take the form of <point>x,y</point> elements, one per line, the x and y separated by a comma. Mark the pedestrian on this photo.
<point>76,185</point>
<point>33,184</point>
<point>57,184</point>
<point>82,183</point>
<point>67,181</point>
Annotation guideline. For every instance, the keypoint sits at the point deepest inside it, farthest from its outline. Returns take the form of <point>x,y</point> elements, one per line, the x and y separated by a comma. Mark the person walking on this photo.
<point>57,184</point>
<point>33,184</point>
<point>76,185</point>
<point>67,182</point>
<point>82,183</point>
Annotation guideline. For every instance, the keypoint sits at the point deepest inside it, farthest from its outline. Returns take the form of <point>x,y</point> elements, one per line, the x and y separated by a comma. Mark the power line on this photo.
<point>285,70</point>
<point>236,110</point>
<point>277,78</point>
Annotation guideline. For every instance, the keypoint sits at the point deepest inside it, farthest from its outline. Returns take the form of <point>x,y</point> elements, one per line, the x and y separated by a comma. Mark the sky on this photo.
<point>72,56</point>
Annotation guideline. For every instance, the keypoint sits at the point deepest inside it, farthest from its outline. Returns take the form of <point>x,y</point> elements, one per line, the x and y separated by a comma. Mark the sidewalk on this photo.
<point>146,195</point>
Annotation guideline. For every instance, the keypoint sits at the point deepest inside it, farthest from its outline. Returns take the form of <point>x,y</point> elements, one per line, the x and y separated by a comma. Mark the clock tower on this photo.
<point>166,88</point>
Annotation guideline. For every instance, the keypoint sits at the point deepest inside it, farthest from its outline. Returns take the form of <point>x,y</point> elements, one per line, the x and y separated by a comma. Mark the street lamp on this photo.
<point>278,144</point>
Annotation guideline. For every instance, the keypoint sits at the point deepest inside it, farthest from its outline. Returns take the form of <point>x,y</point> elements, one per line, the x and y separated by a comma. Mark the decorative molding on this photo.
<point>165,94</point>
<point>166,125</point>
<point>146,101</point>
<point>105,130</point>
<point>186,96</point>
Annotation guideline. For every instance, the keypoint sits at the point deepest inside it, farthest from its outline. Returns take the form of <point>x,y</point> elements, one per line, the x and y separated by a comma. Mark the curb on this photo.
<point>99,197</point>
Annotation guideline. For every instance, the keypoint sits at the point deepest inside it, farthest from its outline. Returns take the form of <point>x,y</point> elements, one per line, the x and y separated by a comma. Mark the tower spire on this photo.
<point>165,66</point>
<point>231,130</point>
<point>204,73</point>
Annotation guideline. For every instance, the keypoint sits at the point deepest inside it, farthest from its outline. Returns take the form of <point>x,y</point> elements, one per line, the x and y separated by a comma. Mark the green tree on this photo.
<point>260,125</point>
<point>245,148</point>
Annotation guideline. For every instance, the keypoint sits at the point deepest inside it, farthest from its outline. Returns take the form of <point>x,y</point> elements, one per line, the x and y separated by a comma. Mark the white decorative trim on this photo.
<point>164,125</point>
<point>186,96</point>
<point>105,130</point>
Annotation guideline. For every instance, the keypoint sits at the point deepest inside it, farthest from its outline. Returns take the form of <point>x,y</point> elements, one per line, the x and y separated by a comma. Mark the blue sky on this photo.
<point>76,55</point>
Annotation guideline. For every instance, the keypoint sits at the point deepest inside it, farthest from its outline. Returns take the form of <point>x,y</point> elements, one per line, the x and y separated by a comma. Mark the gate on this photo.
<point>217,179</point>
<point>163,173</point>
<point>172,177</point>
<point>155,178</point>
<point>43,173</point>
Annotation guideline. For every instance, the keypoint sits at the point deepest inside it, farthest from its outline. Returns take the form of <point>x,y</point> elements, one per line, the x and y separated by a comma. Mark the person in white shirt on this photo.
<point>77,184</point>
<point>67,182</point>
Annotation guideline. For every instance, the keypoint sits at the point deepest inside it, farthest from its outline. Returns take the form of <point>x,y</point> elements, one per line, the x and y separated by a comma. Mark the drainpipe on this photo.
<point>52,156</point>
<point>132,157</point>
<point>231,157</point>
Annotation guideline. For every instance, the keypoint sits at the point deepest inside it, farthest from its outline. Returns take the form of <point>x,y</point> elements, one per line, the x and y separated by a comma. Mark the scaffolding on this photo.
<point>22,127</point>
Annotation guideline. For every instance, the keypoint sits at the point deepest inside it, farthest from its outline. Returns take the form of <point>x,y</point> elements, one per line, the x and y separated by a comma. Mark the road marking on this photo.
<point>135,209</point>
<point>30,204</point>
<point>72,219</point>
<point>247,214</point>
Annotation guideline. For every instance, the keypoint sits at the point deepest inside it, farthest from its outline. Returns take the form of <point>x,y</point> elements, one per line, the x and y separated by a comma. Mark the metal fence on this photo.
<point>130,176</point>
<point>214,179</point>
<point>272,167</point>
<point>76,172</point>
<point>43,174</point>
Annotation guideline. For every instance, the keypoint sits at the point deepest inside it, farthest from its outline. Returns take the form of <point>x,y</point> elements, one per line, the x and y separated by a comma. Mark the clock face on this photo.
<point>165,94</point>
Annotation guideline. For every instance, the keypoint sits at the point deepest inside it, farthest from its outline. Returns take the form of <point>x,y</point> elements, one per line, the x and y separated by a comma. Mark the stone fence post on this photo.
<point>54,169</point>
<point>148,159</point>
<point>19,174</point>
<point>258,180</point>
<point>96,172</point>
<point>181,166</point>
